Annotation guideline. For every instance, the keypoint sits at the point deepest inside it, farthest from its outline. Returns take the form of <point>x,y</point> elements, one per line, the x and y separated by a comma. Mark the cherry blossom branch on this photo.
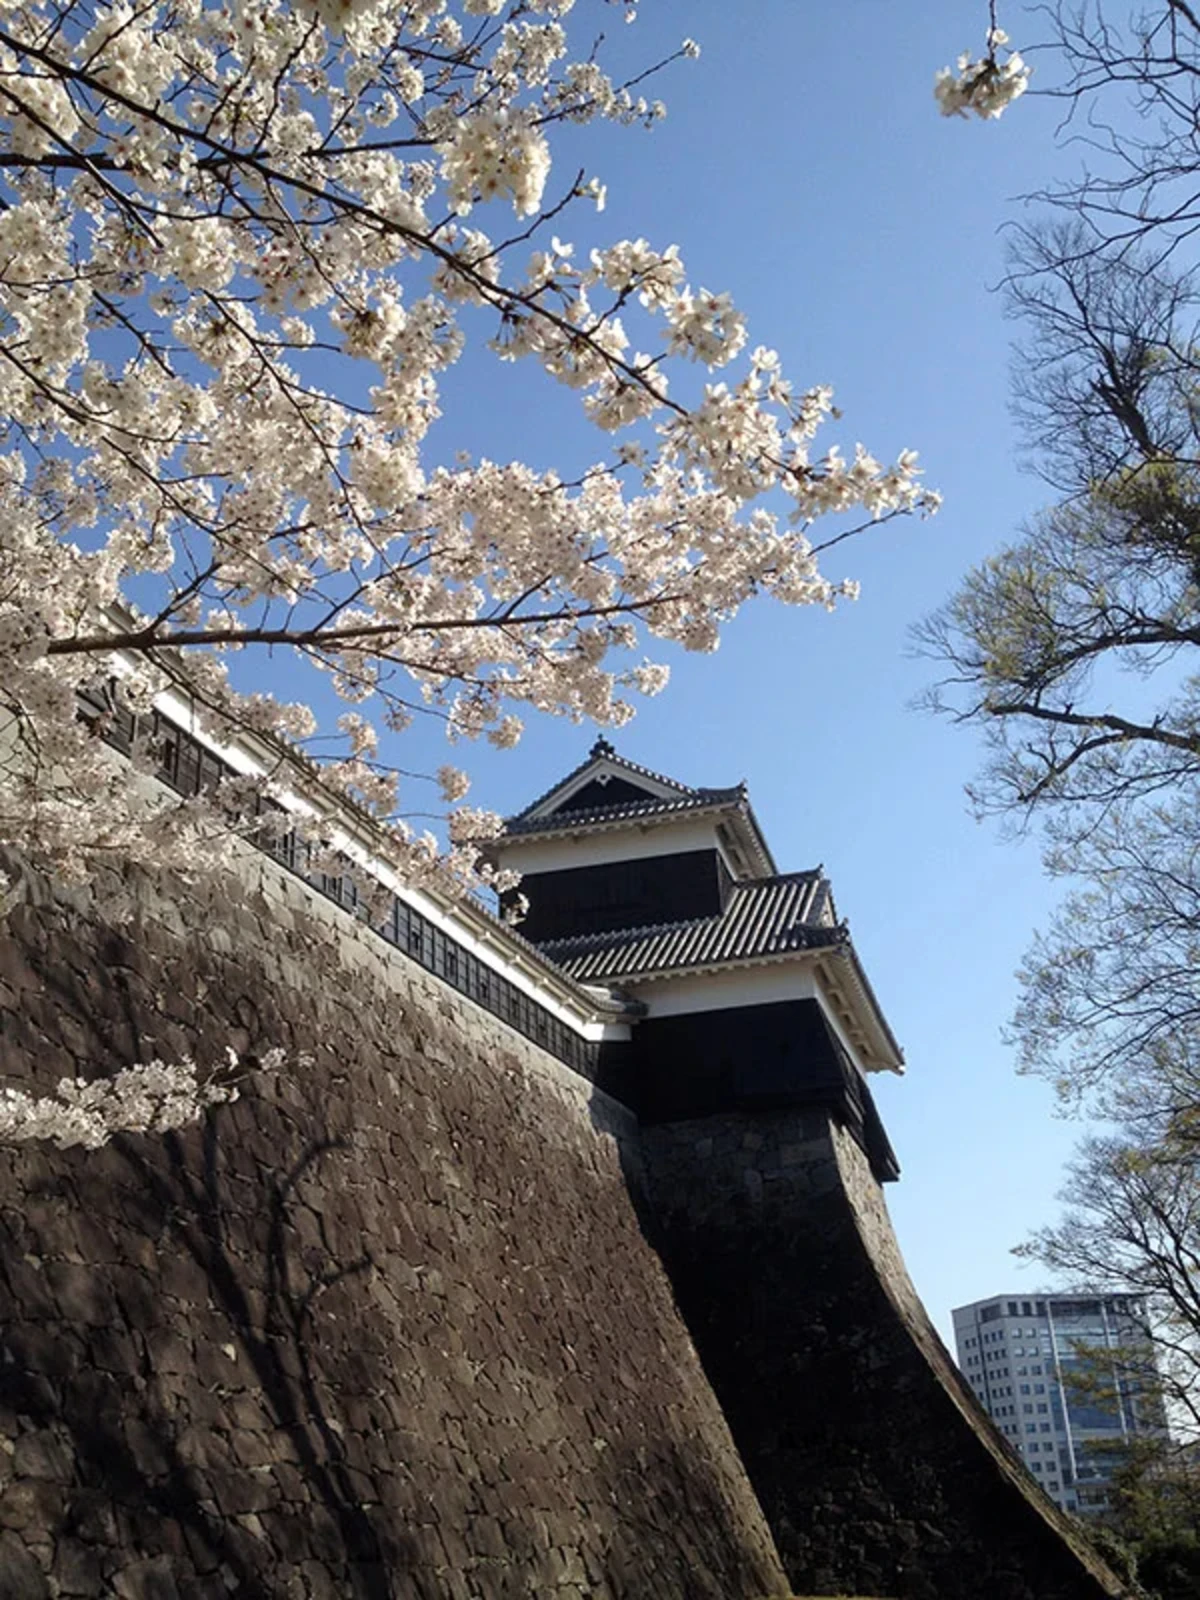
<point>154,1097</point>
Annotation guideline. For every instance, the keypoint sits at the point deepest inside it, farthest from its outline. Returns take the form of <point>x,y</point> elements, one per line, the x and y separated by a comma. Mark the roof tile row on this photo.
<point>694,800</point>
<point>763,917</point>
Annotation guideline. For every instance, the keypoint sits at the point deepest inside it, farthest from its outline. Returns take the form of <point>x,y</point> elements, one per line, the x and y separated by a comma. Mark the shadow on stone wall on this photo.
<point>157,1465</point>
<point>385,1328</point>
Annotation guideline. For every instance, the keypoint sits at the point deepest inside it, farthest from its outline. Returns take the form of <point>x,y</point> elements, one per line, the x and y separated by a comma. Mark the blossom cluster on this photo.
<point>153,1097</point>
<point>240,247</point>
<point>986,86</point>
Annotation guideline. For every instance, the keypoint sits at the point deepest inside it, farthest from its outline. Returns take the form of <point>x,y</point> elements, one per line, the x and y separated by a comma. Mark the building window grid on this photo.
<point>1062,1327</point>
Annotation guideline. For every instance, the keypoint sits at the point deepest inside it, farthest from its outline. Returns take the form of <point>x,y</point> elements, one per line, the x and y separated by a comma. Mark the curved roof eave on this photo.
<point>863,1008</point>
<point>730,803</point>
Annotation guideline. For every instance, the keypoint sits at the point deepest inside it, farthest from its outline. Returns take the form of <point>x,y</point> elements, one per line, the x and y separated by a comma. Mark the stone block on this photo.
<point>321,1583</point>
<point>21,1575</point>
<point>31,1507</point>
<point>146,1580</point>
<point>151,1447</point>
<point>251,1448</point>
<point>115,1350</point>
<point>42,1454</point>
<point>217,1363</point>
<point>78,1570</point>
<point>236,1494</point>
<point>17,972</point>
<point>27,1293</point>
<point>80,1292</point>
<point>182,1277</point>
<point>288,1533</point>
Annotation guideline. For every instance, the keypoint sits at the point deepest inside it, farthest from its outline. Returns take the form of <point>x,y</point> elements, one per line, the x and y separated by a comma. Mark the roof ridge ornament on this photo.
<point>602,747</point>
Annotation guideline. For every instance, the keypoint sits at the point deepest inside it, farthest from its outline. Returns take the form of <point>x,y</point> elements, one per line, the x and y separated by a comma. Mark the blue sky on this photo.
<point>803,166</point>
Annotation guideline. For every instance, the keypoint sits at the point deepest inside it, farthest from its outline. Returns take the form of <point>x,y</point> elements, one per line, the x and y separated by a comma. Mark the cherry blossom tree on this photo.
<point>239,246</point>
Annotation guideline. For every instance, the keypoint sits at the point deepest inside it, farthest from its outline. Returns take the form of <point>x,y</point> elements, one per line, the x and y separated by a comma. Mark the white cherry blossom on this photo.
<point>987,86</point>
<point>240,247</point>
<point>150,1098</point>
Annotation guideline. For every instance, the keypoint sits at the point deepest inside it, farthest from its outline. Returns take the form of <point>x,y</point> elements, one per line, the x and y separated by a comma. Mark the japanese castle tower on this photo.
<point>742,988</point>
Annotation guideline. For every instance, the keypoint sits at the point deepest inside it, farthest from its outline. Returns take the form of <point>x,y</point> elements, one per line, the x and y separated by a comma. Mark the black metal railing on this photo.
<point>186,765</point>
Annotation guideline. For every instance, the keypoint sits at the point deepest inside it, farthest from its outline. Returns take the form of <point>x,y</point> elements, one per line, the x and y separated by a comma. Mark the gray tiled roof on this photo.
<point>651,806</point>
<point>763,917</point>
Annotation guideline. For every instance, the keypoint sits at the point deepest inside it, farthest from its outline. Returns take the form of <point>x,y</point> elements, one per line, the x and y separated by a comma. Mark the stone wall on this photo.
<point>874,1464</point>
<point>387,1327</point>
<point>397,1323</point>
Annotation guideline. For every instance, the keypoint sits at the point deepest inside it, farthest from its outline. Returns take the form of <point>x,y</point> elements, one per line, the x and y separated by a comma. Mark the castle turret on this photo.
<point>752,994</point>
<point>759,1160</point>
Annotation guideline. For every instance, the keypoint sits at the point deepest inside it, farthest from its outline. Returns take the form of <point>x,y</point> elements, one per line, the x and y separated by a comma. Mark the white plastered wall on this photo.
<point>630,843</point>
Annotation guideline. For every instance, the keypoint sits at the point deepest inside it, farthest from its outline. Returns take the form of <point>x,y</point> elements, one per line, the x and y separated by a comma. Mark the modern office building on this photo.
<point>1067,1378</point>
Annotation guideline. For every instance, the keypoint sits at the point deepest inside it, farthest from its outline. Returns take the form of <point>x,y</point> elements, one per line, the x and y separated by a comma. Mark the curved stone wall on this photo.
<point>876,1468</point>
<point>387,1327</point>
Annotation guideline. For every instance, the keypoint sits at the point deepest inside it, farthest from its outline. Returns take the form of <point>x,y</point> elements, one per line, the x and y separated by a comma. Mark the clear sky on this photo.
<point>803,166</point>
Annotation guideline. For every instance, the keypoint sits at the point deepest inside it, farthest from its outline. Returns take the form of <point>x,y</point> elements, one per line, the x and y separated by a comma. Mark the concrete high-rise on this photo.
<point>1025,1357</point>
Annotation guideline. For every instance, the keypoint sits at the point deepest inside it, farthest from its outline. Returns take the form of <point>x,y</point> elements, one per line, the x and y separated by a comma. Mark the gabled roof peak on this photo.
<point>604,762</point>
<point>609,791</point>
